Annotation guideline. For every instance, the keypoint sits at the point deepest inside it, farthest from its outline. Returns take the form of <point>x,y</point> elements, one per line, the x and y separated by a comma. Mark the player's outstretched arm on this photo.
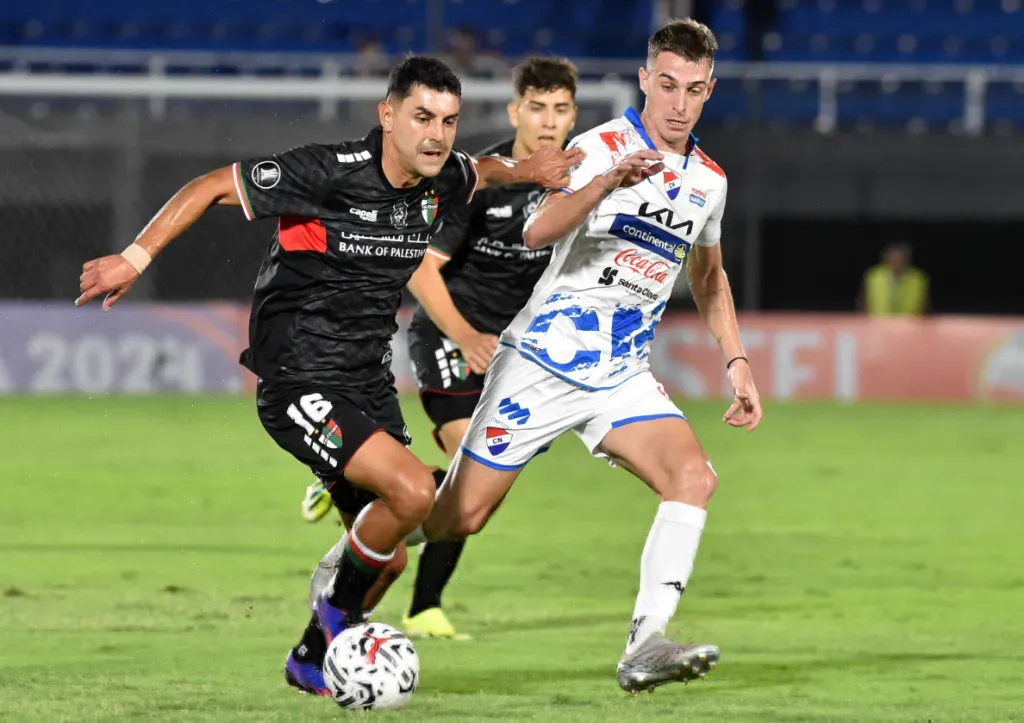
<point>560,213</point>
<point>547,167</point>
<point>428,286</point>
<point>713,296</point>
<point>114,275</point>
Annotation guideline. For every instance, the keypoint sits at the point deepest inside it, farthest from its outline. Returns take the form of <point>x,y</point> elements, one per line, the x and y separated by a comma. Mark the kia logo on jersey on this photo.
<point>498,440</point>
<point>672,185</point>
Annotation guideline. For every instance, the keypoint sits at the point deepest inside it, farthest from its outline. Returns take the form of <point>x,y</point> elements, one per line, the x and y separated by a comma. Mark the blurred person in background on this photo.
<point>895,287</point>
<point>469,58</point>
<point>371,59</point>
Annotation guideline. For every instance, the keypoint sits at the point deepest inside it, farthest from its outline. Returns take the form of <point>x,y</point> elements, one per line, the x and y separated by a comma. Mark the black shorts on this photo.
<point>323,429</point>
<point>448,390</point>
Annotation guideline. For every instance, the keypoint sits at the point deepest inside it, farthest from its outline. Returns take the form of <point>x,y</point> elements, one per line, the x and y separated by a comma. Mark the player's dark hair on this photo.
<point>686,38</point>
<point>421,70</point>
<point>545,75</point>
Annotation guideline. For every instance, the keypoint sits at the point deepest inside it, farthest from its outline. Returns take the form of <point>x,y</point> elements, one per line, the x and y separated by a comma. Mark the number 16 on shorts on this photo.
<point>322,434</point>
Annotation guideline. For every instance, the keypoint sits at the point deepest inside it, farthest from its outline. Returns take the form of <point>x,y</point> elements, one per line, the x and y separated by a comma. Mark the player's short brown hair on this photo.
<point>686,38</point>
<point>545,75</point>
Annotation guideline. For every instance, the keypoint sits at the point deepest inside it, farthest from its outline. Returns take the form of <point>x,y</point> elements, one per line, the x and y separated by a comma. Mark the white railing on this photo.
<point>157,89</point>
<point>32,77</point>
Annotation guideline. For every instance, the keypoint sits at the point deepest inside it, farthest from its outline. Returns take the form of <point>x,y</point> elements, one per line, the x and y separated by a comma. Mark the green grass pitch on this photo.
<point>861,563</point>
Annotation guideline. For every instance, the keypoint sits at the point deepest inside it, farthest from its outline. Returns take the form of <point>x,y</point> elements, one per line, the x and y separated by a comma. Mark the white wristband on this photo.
<point>137,256</point>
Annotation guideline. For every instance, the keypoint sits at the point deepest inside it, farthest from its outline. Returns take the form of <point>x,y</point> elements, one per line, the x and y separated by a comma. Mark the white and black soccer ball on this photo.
<point>371,666</point>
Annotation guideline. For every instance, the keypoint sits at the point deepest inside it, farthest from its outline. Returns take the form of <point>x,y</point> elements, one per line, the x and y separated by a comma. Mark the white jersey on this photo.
<point>593,313</point>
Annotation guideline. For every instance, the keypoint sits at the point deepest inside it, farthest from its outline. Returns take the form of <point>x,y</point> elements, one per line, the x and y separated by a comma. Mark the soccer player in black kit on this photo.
<point>354,221</point>
<point>476,276</point>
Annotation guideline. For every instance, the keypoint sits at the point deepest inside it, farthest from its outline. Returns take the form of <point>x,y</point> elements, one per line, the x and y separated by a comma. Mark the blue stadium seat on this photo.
<point>1005,102</point>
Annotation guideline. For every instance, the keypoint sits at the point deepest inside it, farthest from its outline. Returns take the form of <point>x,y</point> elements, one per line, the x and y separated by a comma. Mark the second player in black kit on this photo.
<point>475,278</point>
<point>354,222</point>
<point>490,275</point>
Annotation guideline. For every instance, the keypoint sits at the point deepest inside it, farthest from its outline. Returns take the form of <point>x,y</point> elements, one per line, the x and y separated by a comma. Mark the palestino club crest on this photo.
<point>428,207</point>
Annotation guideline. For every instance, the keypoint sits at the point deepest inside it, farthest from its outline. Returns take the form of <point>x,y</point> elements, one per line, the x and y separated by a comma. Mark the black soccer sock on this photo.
<point>439,475</point>
<point>437,563</point>
<point>313,647</point>
<point>358,569</point>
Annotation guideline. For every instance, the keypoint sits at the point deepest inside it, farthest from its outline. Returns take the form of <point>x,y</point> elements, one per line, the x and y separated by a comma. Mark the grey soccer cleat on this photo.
<point>660,660</point>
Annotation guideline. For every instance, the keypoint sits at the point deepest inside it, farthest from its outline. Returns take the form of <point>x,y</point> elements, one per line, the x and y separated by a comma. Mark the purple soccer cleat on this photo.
<point>307,677</point>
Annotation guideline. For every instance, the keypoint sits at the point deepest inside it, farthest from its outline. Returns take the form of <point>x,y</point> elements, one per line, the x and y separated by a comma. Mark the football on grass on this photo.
<point>371,666</point>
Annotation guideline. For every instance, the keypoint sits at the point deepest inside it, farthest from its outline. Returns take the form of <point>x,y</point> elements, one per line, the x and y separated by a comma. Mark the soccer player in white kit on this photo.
<point>643,204</point>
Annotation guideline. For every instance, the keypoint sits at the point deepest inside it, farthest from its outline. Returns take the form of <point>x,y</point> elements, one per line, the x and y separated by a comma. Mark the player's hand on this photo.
<point>110,275</point>
<point>477,350</point>
<point>549,166</point>
<point>746,407</point>
<point>632,169</point>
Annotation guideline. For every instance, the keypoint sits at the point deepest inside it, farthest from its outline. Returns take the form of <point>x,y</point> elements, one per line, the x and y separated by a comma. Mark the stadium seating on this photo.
<point>599,27</point>
<point>919,32</point>
<point>969,31</point>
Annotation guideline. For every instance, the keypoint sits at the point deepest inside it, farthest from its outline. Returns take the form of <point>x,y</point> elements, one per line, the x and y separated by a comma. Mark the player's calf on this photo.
<point>394,569</point>
<point>666,455</point>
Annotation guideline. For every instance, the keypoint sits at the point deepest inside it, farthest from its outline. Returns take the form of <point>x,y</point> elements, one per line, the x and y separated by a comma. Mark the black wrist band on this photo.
<point>735,359</point>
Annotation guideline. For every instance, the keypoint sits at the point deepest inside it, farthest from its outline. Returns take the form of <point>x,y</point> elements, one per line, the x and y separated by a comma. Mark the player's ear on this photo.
<point>575,116</point>
<point>711,88</point>
<point>385,111</point>
<point>642,77</point>
<point>513,113</point>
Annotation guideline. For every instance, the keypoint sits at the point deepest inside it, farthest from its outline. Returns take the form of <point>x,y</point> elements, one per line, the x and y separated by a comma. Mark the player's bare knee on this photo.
<point>467,525</point>
<point>693,482</point>
<point>412,496</point>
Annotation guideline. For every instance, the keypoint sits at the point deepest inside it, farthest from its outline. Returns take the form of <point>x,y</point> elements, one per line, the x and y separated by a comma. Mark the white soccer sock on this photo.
<point>665,568</point>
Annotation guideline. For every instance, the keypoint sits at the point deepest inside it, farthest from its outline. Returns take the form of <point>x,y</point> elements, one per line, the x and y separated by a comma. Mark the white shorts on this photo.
<point>524,407</point>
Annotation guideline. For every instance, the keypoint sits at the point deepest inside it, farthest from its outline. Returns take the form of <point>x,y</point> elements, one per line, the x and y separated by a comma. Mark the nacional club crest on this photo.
<point>672,184</point>
<point>429,208</point>
<point>498,440</point>
<point>400,214</point>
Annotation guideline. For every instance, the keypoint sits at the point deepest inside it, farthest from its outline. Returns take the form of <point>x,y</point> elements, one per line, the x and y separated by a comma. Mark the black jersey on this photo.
<point>490,273</point>
<point>347,241</point>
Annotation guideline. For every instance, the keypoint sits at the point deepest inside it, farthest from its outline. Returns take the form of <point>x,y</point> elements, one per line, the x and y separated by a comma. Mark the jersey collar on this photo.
<point>633,117</point>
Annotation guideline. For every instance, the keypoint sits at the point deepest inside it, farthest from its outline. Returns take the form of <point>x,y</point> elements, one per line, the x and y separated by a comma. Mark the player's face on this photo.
<point>422,129</point>
<point>542,118</point>
<point>676,90</point>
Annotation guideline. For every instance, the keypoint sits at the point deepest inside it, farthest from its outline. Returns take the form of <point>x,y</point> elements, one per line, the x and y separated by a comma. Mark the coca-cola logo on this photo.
<point>652,269</point>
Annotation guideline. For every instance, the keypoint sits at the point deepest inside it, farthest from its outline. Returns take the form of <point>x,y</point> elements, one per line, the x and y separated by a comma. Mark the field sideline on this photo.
<point>860,564</point>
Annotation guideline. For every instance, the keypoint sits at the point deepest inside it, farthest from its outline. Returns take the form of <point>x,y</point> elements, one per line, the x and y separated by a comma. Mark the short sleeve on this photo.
<point>711,234</point>
<point>461,180</point>
<point>292,183</point>
<point>599,159</point>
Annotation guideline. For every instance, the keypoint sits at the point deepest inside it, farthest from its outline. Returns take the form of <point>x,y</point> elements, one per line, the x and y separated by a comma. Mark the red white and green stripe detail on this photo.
<point>434,251</point>
<point>363,557</point>
<point>243,194</point>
